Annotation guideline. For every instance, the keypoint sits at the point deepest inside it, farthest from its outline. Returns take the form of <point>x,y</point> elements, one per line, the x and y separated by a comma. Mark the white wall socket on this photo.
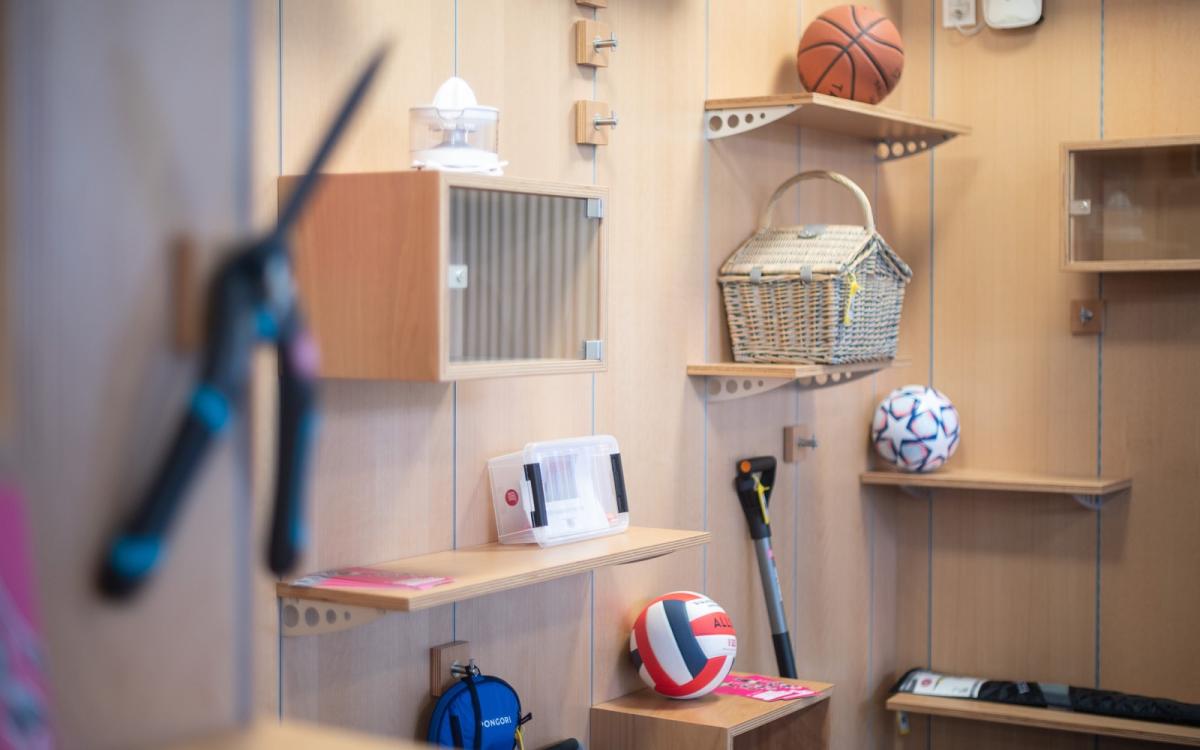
<point>958,13</point>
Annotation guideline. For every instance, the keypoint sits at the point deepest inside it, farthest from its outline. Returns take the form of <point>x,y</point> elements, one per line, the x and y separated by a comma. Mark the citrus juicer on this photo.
<point>455,133</point>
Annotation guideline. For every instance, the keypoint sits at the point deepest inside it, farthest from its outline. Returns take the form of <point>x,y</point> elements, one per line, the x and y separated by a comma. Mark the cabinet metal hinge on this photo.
<point>593,349</point>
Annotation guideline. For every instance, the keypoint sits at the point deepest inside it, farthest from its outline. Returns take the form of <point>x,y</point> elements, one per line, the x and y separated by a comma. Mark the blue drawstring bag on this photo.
<point>478,713</point>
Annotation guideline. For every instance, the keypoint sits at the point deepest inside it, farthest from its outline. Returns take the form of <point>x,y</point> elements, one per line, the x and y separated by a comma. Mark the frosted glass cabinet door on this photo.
<point>1133,205</point>
<point>524,276</point>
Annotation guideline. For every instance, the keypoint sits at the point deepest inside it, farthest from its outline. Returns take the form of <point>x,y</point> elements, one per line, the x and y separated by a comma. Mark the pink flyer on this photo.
<point>763,688</point>
<point>360,577</point>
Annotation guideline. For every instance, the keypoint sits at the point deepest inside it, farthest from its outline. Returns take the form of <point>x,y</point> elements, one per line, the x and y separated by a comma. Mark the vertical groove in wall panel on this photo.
<point>516,57</point>
<point>902,539</point>
<point>1012,369</point>
<point>653,167</point>
<point>1150,605</point>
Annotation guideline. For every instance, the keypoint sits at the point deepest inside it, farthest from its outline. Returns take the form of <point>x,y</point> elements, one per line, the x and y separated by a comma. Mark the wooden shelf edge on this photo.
<point>968,479</point>
<point>786,371</point>
<point>1131,266</point>
<point>845,105</point>
<point>1044,718</point>
<point>412,601</point>
<point>734,714</point>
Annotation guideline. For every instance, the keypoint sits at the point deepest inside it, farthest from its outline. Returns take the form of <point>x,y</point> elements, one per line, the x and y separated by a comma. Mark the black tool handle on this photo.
<point>297,426</point>
<point>784,659</point>
<point>747,491</point>
<point>137,546</point>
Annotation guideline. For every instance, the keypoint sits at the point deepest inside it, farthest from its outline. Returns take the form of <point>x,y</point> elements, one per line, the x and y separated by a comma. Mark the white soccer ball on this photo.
<point>915,428</point>
<point>683,644</point>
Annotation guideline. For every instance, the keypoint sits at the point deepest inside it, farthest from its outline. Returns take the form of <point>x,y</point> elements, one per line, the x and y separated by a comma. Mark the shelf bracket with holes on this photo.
<point>733,380</point>
<point>1091,502</point>
<point>722,123</point>
<point>920,493</point>
<point>309,617</point>
<point>899,149</point>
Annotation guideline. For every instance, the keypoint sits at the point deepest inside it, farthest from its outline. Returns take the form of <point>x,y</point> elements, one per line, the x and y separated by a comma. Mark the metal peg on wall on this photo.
<point>592,122</point>
<point>593,40</point>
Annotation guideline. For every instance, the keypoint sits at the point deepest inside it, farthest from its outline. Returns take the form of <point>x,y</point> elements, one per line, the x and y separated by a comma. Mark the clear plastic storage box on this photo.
<point>559,491</point>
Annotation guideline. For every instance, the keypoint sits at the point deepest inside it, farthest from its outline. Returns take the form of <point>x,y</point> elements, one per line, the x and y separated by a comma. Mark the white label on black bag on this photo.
<point>932,683</point>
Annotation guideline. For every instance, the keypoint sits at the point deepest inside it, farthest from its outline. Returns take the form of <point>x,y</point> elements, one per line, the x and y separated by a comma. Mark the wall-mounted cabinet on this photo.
<point>1132,205</point>
<point>437,276</point>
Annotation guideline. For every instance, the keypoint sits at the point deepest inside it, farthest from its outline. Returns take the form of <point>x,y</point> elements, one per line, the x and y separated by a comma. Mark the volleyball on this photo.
<point>683,644</point>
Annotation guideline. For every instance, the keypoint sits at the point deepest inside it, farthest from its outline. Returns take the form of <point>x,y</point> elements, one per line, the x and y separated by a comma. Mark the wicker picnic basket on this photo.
<point>814,293</point>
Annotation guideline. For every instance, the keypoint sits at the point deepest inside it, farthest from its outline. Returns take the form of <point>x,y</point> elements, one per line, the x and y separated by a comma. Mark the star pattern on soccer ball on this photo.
<point>897,433</point>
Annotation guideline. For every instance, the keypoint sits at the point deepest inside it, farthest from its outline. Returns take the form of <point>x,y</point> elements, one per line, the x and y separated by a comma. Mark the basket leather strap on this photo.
<point>764,220</point>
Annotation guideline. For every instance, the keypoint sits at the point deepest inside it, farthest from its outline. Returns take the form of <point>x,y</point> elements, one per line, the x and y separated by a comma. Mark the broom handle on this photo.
<point>764,220</point>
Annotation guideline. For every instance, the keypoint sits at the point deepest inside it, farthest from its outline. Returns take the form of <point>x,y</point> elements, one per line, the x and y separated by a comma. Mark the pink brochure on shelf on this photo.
<point>761,687</point>
<point>24,716</point>
<point>365,578</point>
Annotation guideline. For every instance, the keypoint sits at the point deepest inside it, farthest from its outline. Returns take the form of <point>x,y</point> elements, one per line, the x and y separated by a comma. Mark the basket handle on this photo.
<point>764,220</point>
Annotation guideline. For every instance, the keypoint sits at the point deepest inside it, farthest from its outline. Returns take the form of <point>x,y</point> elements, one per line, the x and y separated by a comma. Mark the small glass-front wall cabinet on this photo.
<point>437,276</point>
<point>1132,205</point>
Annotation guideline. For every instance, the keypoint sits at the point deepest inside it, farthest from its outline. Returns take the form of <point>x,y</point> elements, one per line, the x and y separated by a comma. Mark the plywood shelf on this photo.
<point>495,567</point>
<point>646,719</point>
<point>1000,481</point>
<point>271,734</point>
<point>902,134</point>
<point>1043,718</point>
<point>731,380</point>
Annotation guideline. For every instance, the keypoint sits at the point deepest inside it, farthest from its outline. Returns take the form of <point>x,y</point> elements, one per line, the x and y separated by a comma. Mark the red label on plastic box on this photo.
<point>511,497</point>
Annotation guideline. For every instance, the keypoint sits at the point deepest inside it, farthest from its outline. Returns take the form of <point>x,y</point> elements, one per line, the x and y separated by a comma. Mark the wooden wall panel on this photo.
<point>1024,386</point>
<point>977,221</point>
<point>900,524</point>
<point>656,307</point>
<point>517,56</point>
<point>752,47</point>
<point>1150,605</point>
<point>383,479</point>
<point>125,126</point>
<point>742,174</point>
<point>263,395</point>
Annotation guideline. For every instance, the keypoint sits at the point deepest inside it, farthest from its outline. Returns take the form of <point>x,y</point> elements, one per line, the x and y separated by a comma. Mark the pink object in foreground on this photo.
<point>762,688</point>
<point>363,578</point>
<point>24,718</point>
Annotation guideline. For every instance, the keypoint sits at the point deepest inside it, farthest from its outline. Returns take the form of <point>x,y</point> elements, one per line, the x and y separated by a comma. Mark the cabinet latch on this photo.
<point>458,277</point>
<point>595,208</point>
<point>1081,207</point>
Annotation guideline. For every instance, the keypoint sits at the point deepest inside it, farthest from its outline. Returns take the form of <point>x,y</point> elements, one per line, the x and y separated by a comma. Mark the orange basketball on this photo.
<point>851,51</point>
